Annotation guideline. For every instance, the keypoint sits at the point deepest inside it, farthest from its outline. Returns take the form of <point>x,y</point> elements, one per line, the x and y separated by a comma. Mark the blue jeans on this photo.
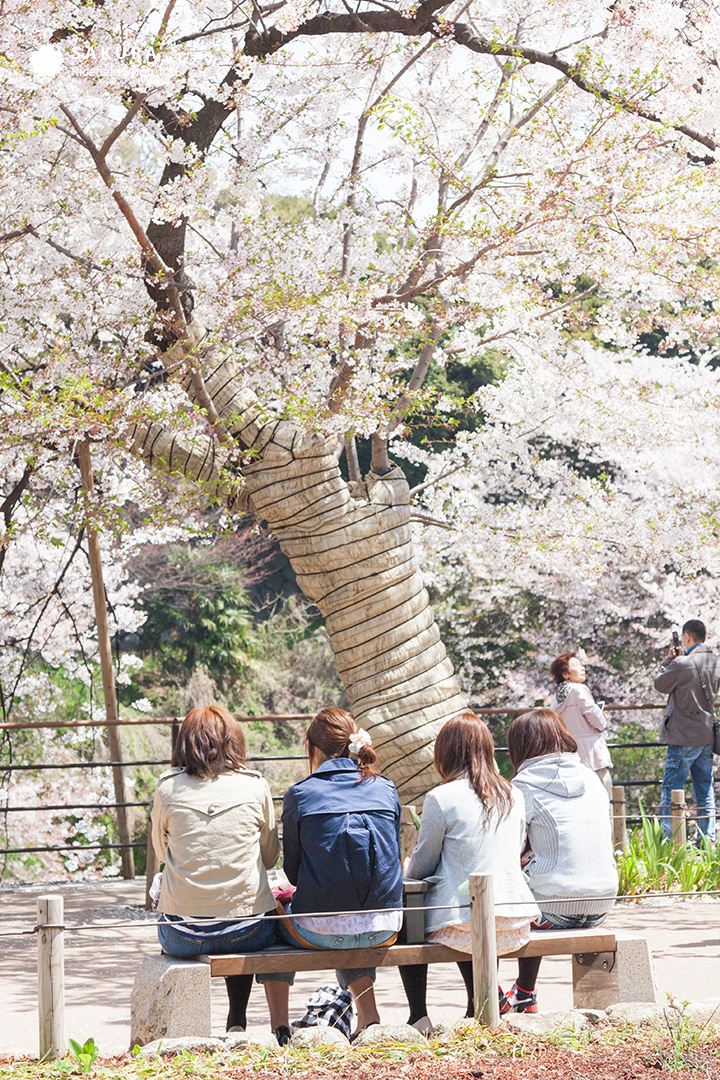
<point>188,940</point>
<point>301,938</point>
<point>697,761</point>
<point>551,921</point>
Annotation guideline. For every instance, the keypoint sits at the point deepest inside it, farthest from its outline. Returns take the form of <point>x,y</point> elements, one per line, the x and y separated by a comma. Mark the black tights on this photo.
<point>414,978</point>
<point>238,988</point>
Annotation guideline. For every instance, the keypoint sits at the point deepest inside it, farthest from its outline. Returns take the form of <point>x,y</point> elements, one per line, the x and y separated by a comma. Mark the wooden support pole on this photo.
<point>106,665</point>
<point>619,817</point>
<point>679,821</point>
<point>152,865</point>
<point>51,977</point>
<point>408,832</point>
<point>484,950</point>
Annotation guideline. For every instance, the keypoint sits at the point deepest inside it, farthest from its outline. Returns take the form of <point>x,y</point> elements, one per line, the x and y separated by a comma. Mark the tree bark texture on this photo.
<point>351,548</point>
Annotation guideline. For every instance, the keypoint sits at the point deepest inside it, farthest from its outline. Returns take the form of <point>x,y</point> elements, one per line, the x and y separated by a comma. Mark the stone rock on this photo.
<point>252,1037</point>
<point>380,1034</point>
<point>319,1036</point>
<point>548,1023</point>
<point>633,1012</point>
<point>704,1013</point>
<point>170,999</point>
<point>191,1044</point>
<point>698,1014</point>
<point>595,1016</point>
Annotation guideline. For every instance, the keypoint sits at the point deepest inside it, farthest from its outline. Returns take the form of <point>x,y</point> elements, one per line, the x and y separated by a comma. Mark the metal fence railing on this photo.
<point>635,786</point>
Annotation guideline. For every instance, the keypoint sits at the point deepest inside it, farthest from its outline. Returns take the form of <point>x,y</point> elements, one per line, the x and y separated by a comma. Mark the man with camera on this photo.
<point>690,675</point>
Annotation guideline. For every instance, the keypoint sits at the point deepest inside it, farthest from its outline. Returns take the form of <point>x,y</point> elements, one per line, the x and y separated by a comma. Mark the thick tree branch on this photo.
<point>425,22</point>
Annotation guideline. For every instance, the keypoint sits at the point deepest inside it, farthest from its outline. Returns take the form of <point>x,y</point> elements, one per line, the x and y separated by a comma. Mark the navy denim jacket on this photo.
<point>341,840</point>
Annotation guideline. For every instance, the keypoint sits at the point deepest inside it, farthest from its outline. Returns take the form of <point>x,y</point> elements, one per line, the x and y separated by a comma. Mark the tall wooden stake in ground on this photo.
<point>106,664</point>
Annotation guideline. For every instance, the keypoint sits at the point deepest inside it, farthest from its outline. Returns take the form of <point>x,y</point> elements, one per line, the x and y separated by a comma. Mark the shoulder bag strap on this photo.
<point>709,700</point>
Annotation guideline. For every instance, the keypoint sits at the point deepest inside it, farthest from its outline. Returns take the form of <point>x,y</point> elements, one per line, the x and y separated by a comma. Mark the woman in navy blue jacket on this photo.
<point>341,847</point>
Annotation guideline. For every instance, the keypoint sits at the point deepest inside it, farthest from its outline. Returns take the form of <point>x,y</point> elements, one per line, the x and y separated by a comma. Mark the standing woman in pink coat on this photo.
<point>584,719</point>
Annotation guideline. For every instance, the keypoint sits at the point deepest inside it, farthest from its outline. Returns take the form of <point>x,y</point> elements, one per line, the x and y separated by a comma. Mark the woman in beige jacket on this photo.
<point>581,715</point>
<point>213,825</point>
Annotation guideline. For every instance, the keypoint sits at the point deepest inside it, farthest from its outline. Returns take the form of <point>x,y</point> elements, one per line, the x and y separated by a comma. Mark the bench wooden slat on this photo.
<point>544,943</point>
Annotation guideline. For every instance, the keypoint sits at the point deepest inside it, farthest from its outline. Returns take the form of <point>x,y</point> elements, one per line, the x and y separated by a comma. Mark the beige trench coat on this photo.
<point>216,837</point>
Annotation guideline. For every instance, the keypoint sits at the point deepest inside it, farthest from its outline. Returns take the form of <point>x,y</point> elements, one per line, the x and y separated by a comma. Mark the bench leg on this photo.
<point>170,998</point>
<point>602,979</point>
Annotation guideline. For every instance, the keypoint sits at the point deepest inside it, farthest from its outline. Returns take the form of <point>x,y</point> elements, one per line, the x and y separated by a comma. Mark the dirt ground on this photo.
<point>100,965</point>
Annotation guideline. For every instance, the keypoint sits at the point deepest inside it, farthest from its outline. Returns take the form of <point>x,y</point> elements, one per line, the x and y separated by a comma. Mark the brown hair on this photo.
<point>538,732</point>
<point>330,731</point>
<point>465,746</point>
<point>561,665</point>
<point>210,740</point>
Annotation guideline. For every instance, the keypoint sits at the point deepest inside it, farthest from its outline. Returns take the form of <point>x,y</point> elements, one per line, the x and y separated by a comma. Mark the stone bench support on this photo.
<point>170,998</point>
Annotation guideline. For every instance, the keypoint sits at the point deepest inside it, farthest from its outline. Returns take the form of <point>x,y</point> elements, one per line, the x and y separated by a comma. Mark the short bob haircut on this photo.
<point>465,747</point>
<point>210,740</point>
<point>561,666</point>
<point>536,733</point>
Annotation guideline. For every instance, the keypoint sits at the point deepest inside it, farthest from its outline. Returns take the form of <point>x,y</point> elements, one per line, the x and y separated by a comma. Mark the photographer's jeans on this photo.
<point>697,762</point>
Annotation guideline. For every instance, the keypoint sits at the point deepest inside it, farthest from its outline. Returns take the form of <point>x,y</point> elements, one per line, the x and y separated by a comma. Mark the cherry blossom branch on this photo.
<point>424,21</point>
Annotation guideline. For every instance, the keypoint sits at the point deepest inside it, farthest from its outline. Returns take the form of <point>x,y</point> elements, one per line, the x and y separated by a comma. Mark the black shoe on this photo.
<point>283,1035</point>
<point>356,1034</point>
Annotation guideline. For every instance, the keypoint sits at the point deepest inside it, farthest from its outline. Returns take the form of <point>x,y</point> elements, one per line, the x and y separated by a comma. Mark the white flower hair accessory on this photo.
<point>357,741</point>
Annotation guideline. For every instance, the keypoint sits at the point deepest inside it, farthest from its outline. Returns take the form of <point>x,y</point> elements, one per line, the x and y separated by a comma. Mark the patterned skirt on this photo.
<point>510,934</point>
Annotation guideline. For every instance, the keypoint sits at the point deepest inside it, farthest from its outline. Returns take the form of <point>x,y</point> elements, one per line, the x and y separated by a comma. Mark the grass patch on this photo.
<point>470,1051</point>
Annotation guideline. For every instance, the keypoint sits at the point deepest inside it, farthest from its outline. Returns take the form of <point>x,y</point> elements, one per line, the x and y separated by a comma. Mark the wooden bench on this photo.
<point>171,997</point>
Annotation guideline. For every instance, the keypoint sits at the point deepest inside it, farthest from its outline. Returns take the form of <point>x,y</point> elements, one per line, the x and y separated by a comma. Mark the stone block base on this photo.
<point>170,999</point>
<point>601,979</point>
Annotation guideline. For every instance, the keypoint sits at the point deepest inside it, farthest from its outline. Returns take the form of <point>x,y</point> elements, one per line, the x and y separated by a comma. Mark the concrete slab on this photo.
<point>100,965</point>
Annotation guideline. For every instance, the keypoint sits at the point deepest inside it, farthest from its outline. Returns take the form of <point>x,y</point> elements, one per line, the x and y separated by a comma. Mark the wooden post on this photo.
<point>619,817</point>
<point>152,865</point>
<point>51,977</point>
<point>408,832</point>
<point>679,822</point>
<point>484,950</point>
<point>106,665</point>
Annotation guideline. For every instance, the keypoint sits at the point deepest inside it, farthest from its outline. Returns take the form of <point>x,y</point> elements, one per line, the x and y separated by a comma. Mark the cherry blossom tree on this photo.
<point>462,176</point>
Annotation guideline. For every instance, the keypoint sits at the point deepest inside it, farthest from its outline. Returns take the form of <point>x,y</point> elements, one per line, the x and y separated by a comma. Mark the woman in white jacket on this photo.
<point>581,715</point>
<point>474,823</point>
<point>571,869</point>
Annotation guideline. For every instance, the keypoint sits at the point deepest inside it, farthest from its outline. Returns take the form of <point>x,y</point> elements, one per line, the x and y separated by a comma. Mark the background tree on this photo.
<point>471,176</point>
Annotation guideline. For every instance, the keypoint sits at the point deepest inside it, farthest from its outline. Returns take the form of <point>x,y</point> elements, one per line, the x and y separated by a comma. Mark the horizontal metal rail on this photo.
<point>73,806</point>
<point>136,721</point>
<point>125,764</point>
<point>73,847</point>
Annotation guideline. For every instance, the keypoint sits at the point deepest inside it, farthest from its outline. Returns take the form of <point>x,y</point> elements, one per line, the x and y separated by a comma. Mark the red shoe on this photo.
<point>518,1001</point>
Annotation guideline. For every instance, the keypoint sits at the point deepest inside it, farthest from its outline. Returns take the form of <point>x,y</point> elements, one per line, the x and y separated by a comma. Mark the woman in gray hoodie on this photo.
<point>571,869</point>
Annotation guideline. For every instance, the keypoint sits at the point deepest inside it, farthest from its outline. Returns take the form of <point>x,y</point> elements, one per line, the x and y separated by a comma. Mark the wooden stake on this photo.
<point>679,821</point>
<point>619,818</point>
<point>51,977</point>
<point>106,664</point>
<point>484,950</point>
<point>152,866</point>
<point>408,832</point>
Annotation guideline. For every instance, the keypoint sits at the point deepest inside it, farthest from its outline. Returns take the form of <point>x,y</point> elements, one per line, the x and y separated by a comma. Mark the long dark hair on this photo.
<point>465,746</point>
<point>535,733</point>
<point>331,730</point>
<point>210,740</point>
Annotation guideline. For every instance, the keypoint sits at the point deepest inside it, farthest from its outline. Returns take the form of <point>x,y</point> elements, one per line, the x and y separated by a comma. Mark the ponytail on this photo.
<point>335,733</point>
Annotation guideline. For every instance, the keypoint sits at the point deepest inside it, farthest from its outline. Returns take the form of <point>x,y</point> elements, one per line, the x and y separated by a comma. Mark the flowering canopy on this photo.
<point>341,197</point>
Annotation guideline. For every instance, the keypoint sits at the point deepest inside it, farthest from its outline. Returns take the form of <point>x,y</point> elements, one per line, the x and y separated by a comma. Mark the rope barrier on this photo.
<point>544,903</point>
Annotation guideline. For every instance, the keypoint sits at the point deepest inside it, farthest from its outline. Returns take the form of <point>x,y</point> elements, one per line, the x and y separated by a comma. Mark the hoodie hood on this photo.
<point>561,774</point>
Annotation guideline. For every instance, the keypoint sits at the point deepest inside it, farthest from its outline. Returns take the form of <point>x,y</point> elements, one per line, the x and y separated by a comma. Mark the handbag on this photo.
<point>711,705</point>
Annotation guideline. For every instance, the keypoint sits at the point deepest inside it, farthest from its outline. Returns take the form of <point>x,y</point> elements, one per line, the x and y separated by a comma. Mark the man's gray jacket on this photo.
<point>688,720</point>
